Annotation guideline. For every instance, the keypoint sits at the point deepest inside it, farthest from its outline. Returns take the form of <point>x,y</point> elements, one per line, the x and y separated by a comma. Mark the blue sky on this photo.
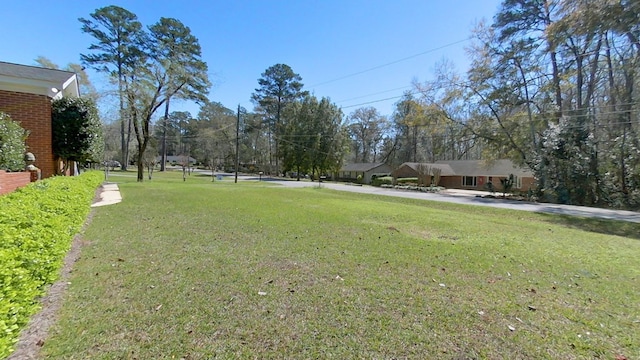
<point>330,43</point>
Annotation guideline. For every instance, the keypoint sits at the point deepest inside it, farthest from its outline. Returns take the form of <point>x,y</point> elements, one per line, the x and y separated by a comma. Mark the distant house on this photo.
<point>177,159</point>
<point>412,169</point>
<point>25,94</point>
<point>472,174</point>
<point>350,172</point>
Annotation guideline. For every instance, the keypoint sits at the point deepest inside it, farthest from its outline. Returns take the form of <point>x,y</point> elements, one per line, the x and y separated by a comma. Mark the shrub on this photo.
<point>37,224</point>
<point>410,180</point>
<point>379,181</point>
<point>12,146</point>
<point>507,185</point>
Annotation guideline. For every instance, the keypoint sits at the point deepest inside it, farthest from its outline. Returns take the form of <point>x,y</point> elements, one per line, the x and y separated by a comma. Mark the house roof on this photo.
<point>501,168</point>
<point>177,158</point>
<point>37,80</point>
<point>498,168</point>
<point>363,167</point>
<point>445,170</point>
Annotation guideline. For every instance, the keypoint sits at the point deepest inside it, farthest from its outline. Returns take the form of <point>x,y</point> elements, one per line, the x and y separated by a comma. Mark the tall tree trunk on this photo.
<point>554,62</point>
<point>123,140</point>
<point>163,157</point>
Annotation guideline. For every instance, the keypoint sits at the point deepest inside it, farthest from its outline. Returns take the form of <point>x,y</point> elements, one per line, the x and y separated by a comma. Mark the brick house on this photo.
<point>473,174</point>
<point>25,94</point>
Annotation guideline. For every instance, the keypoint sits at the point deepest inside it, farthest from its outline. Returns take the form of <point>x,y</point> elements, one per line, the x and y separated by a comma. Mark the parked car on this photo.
<point>112,164</point>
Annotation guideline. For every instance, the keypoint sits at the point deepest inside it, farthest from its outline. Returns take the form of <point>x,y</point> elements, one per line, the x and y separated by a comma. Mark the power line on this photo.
<point>376,93</point>
<point>373,101</point>
<point>391,63</point>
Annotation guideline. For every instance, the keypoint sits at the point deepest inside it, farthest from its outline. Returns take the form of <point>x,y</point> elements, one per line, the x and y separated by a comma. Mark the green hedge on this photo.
<point>384,180</point>
<point>12,146</point>
<point>37,225</point>
<point>409,180</point>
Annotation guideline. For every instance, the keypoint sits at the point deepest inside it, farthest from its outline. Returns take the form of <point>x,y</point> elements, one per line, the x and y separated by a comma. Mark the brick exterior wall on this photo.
<point>11,181</point>
<point>455,182</point>
<point>34,114</point>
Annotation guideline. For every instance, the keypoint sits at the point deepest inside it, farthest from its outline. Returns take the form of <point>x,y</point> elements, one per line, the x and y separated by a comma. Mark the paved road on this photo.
<point>461,197</point>
<point>470,199</point>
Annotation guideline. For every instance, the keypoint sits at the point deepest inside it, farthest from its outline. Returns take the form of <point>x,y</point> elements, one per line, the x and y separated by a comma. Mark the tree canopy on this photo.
<point>279,86</point>
<point>151,67</point>
<point>76,130</point>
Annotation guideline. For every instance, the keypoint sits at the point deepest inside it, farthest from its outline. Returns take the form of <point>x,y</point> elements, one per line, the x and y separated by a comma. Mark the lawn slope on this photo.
<point>198,270</point>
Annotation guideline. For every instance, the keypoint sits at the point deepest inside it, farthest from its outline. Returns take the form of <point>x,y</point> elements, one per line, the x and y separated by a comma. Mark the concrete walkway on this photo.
<point>109,195</point>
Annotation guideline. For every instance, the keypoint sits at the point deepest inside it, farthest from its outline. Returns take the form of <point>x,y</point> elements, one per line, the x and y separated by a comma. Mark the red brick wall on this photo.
<point>34,114</point>
<point>455,182</point>
<point>11,181</point>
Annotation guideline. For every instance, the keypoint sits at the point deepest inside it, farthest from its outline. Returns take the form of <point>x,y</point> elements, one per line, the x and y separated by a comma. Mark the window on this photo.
<point>517,182</point>
<point>469,181</point>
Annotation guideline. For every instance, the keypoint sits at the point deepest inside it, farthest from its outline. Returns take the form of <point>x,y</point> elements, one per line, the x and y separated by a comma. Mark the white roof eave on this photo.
<point>51,89</point>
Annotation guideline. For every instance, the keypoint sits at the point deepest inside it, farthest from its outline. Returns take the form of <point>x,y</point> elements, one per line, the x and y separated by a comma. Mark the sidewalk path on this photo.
<point>109,195</point>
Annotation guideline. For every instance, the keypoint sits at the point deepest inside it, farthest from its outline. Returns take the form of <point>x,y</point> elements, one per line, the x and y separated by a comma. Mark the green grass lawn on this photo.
<point>200,270</point>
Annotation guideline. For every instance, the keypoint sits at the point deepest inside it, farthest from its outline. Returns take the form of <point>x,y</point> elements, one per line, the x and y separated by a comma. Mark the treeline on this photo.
<point>552,86</point>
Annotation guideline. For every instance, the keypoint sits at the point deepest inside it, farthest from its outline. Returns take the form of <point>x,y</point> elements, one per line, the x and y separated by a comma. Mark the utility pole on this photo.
<point>237,143</point>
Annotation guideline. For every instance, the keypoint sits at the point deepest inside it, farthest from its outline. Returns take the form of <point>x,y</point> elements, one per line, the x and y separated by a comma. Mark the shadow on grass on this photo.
<point>601,226</point>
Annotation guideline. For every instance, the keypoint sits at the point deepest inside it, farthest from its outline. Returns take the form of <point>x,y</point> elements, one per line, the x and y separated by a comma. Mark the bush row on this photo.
<point>37,225</point>
<point>414,188</point>
<point>379,181</point>
<point>403,184</point>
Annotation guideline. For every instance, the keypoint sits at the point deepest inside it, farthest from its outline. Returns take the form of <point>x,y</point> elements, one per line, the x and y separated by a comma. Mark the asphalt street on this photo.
<point>470,198</point>
<point>450,196</point>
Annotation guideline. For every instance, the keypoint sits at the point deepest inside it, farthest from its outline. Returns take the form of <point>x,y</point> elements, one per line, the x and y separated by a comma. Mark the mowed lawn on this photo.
<point>202,270</point>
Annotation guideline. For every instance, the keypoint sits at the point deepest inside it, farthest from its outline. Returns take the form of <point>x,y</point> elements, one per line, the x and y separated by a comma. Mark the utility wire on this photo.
<point>376,93</point>
<point>391,63</point>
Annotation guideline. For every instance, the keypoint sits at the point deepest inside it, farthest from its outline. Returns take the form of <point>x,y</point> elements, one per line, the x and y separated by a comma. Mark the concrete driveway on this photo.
<point>469,198</point>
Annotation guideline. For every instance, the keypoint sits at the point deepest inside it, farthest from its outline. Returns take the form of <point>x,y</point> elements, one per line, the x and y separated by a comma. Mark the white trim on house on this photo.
<point>36,80</point>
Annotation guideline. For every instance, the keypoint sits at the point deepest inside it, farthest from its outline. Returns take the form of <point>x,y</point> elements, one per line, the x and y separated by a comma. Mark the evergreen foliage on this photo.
<point>76,130</point>
<point>12,146</point>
